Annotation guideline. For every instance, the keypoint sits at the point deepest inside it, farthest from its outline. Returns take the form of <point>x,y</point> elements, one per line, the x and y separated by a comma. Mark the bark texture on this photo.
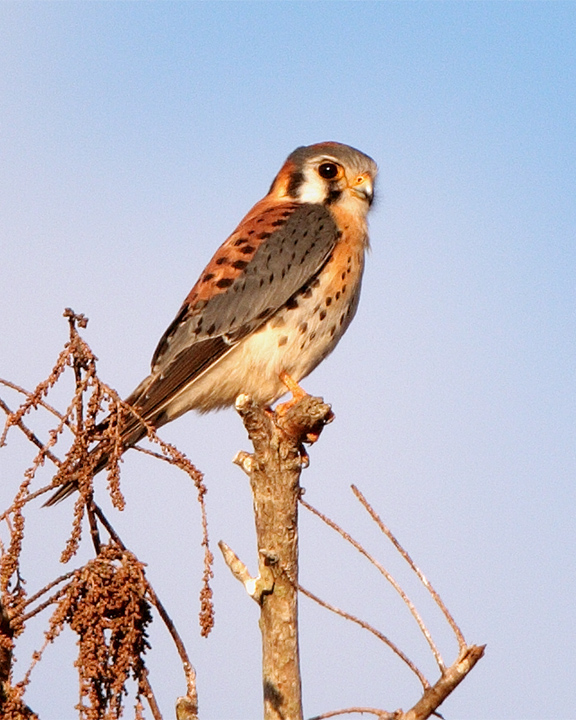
<point>274,471</point>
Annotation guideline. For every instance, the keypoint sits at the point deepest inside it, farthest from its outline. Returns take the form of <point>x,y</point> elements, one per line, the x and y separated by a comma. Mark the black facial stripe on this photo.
<point>333,194</point>
<point>295,182</point>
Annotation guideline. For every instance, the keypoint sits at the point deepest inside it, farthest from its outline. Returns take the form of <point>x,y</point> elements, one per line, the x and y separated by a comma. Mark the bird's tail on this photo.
<point>82,465</point>
<point>71,485</point>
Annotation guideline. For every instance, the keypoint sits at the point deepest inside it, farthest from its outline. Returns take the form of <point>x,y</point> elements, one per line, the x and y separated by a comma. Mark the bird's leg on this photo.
<point>297,393</point>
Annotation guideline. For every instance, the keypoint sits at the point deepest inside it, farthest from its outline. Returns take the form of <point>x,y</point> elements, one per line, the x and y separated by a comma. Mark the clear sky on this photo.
<point>133,138</point>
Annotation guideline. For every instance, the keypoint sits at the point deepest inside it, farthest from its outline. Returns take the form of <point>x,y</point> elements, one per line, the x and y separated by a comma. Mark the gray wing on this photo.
<point>286,253</point>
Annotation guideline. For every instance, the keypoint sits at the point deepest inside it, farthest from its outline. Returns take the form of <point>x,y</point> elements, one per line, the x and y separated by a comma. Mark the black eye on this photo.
<point>328,170</point>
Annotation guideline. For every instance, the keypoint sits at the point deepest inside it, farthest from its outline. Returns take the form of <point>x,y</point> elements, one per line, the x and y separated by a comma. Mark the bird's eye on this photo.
<point>328,170</point>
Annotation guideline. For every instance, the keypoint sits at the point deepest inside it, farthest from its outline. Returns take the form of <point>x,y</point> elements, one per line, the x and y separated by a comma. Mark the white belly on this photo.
<point>294,341</point>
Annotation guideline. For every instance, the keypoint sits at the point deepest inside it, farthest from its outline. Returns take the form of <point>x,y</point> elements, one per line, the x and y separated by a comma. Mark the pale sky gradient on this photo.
<point>133,138</point>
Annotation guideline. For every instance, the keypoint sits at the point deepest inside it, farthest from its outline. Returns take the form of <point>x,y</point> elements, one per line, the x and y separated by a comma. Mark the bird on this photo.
<point>273,301</point>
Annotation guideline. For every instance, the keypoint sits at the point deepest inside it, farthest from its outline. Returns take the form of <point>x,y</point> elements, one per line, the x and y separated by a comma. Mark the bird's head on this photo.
<point>326,174</point>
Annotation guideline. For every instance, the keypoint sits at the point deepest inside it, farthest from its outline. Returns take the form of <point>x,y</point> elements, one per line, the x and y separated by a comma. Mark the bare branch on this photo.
<point>415,568</point>
<point>433,697</point>
<point>50,585</point>
<point>380,714</point>
<point>386,574</point>
<point>145,689</point>
<point>189,672</point>
<point>274,471</point>
<point>370,628</point>
<point>274,479</point>
<point>39,608</point>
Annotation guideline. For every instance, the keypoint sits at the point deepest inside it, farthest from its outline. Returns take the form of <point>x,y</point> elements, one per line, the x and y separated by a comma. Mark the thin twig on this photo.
<point>380,714</point>
<point>145,689</point>
<point>387,575</point>
<point>434,696</point>
<point>189,671</point>
<point>94,532</point>
<point>50,585</point>
<point>40,402</point>
<point>30,435</point>
<point>38,609</point>
<point>30,497</point>
<point>371,629</point>
<point>415,568</point>
<point>152,453</point>
<point>109,529</point>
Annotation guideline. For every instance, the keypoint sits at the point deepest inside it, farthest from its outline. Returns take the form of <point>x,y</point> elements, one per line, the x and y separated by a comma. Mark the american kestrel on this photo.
<point>274,300</point>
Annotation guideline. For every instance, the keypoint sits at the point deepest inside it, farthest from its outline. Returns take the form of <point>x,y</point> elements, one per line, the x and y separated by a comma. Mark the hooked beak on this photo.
<point>363,186</point>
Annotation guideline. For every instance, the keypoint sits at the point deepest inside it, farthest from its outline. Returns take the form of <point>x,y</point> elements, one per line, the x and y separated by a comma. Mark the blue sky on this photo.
<point>133,138</point>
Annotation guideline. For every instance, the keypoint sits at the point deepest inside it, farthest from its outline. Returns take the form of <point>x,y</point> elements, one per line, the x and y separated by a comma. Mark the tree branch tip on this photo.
<point>256,587</point>
<point>243,403</point>
<point>244,461</point>
<point>231,559</point>
<point>471,654</point>
<point>306,419</point>
<point>186,708</point>
<point>75,318</point>
<point>238,568</point>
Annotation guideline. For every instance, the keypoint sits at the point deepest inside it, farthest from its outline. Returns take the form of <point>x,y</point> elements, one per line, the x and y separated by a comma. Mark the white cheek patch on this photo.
<point>313,189</point>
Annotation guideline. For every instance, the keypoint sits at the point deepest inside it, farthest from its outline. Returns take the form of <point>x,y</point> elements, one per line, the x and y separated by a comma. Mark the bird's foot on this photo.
<point>297,394</point>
